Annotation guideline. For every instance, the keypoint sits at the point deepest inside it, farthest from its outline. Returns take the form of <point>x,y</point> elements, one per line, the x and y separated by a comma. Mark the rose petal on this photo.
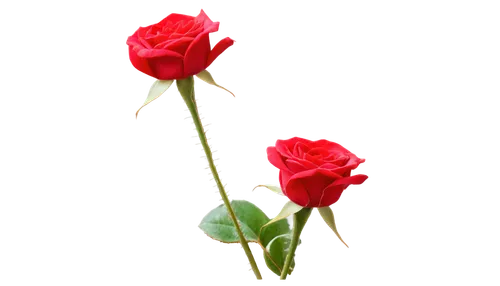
<point>331,195</point>
<point>142,31</point>
<point>284,177</point>
<point>349,168</point>
<point>167,67</point>
<point>329,166</point>
<point>353,159</point>
<point>202,14</point>
<point>156,53</point>
<point>311,183</point>
<point>295,166</point>
<point>316,159</point>
<point>307,164</point>
<point>139,63</point>
<point>185,27</point>
<point>196,56</point>
<point>352,180</point>
<point>179,46</point>
<point>275,158</point>
<point>298,149</point>
<point>283,144</point>
<point>219,48</point>
<point>195,31</point>
<point>297,193</point>
<point>175,36</point>
<point>339,161</point>
<point>145,43</point>
<point>323,152</point>
<point>210,25</point>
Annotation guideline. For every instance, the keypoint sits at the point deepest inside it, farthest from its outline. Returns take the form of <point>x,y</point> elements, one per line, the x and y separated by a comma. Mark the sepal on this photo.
<point>207,77</point>
<point>327,215</point>
<point>157,89</point>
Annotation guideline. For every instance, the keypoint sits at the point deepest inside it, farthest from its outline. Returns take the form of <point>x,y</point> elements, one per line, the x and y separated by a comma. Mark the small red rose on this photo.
<point>177,47</point>
<point>314,173</point>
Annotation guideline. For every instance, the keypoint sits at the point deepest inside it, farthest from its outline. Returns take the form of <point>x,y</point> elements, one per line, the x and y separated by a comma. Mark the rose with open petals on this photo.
<point>314,173</point>
<point>177,47</point>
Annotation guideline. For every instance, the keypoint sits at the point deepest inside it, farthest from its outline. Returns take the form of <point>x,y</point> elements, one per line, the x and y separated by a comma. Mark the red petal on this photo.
<point>295,166</point>
<point>275,158</point>
<point>310,183</point>
<point>352,180</point>
<point>167,67</point>
<point>140,63</point>
<point>196,57</point>
<point>219,48</point>
<point>179,46</point>
<point>331,195</point>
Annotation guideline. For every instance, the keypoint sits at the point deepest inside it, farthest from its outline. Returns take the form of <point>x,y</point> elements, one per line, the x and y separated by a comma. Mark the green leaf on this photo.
<point>289,209</point>
<point>278,249</point>
<point>157,89</point>
<point>327,215</point>
<point>218,225</point>
<point>270,187</point>
<point>274,236</point>
<point>207,77</point>
<point>270,232</point>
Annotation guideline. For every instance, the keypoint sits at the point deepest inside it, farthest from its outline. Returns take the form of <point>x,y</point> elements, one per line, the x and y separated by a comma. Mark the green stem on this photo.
<point>186,88</point>
<point>299,221</point>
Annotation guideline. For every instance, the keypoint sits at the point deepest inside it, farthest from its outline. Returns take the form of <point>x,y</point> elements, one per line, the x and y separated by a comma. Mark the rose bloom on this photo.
<point>314,173</point>
<point>177,47</point>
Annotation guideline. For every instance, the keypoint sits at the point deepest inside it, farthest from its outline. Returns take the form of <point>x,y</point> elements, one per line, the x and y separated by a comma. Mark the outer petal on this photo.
<point>332,193</point>
<point>219,48</point>
<point>140,63</point>
<point>284,178</point>
<point>352,180</point>
<point>275,158</point>
<point>308,185</point>
<point>297,193</point>
<point>196,56</point>
<point>285,145</point>
<point>209,24</point>
<point>167,67</point>
<point>330,196</point>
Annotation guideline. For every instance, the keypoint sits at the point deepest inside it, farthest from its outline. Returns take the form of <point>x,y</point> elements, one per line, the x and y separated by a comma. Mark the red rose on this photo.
<point>314,173</point>
<point>176,47</point>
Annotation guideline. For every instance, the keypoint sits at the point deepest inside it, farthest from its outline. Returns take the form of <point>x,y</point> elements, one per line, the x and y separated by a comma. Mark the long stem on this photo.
<point>186,87</point>
<point>299,221</point>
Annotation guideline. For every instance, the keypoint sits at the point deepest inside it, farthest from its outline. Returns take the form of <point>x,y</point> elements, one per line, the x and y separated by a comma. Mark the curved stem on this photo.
<point>299,221</point>
<point>186,88</point>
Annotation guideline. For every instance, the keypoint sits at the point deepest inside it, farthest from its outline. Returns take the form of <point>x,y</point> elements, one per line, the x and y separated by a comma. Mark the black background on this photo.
<point>330,70</point>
